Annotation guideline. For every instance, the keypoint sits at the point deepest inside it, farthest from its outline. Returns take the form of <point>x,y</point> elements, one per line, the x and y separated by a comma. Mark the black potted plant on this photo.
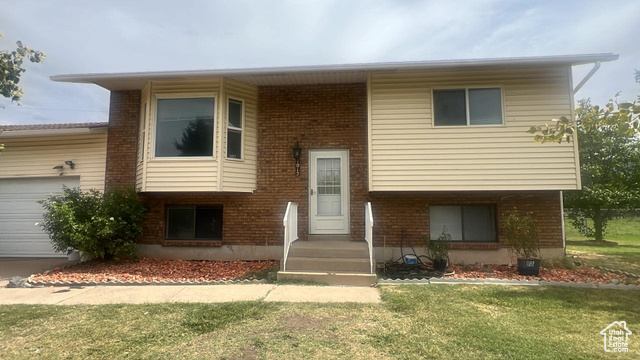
<point>521,235</point>
<point>438,251</point>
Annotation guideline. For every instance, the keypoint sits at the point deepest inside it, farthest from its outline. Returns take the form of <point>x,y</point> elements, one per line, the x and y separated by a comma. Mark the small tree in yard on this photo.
<point>521,234</point>
<point>609,145</point>
<point>103,226</point>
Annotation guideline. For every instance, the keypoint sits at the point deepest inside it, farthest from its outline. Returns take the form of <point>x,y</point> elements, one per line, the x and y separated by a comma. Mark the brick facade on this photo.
<point>319,117</point>
<point>122,149</point>
<point>398,212</point>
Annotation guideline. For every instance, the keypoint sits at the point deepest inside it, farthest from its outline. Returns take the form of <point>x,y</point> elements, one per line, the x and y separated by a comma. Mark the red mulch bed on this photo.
<point>156,270</point>
<point>511,273</point>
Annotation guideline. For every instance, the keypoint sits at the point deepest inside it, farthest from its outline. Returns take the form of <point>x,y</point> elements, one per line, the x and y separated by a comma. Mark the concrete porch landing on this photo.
<point>329,259</point>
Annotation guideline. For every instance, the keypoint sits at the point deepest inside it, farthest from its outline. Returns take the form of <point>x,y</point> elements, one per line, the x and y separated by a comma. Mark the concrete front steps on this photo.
<point>329,259</point>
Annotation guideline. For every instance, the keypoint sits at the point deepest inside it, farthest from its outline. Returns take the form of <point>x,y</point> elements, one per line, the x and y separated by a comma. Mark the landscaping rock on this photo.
<point>18,282</point>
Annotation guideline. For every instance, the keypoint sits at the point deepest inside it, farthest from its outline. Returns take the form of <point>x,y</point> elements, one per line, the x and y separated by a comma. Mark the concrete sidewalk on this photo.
<point>95,295</point>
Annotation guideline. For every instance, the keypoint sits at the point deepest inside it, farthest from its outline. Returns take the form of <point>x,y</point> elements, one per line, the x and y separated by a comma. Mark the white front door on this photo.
<point>328,192</point>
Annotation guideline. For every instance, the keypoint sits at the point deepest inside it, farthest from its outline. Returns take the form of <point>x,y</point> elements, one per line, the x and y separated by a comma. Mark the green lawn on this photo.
<point>413,322</point>
<point>624,256</point>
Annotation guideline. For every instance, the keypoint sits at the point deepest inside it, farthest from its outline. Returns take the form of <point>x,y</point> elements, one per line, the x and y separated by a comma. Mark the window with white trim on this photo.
<point>467,106</point>
<point>235,123</point>
<point>464,223</point>
<point>184,127</point>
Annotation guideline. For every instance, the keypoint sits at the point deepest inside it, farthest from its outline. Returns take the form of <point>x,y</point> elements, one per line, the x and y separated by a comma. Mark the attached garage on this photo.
<point>20,211</point>
<point>39,160</point>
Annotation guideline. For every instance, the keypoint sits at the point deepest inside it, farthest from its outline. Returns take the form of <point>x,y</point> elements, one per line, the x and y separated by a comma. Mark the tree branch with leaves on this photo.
<point>11,70</point>
<point>609,143</point>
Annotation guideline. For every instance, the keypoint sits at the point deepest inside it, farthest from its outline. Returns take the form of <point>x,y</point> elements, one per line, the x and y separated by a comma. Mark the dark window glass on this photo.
<point>449,107</point>
<point>180,223</point>
<point>234,144</point>
<point>235,114</point>
<point>479,223</point>
<point>194,222</point>
<point>463,223</point>
<point>185,127</point>
<point>485,106</point>
<point>208,223</point>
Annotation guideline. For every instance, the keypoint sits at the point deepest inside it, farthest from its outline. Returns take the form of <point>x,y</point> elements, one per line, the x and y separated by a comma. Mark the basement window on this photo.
<point>194,223</point>
<point>467,106</point>
<point>464,223</point>
<point>184,127</point>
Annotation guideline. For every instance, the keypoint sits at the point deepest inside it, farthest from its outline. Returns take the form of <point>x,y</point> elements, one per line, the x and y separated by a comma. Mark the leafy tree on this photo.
<point>609,145</point>
<point>11,69</point>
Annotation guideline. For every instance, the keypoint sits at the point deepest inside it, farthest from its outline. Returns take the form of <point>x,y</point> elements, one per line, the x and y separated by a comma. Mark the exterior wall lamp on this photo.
<point>297,153</point>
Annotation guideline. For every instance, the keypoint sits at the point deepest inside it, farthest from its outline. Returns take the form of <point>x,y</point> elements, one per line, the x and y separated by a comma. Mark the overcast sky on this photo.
<point>123,36</point>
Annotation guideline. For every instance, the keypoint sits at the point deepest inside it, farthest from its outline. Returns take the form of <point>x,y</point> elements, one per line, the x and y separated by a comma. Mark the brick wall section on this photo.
<point>319,117</point>
<point>122,140</point>
<point>394,213</point>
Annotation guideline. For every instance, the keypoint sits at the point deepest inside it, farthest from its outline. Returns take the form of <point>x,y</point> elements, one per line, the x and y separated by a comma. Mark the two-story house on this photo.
<point>384,149</point>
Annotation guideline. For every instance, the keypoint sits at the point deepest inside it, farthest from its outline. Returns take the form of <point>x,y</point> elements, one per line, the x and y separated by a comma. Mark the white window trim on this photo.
<point>241,130</point>
<point>142,134</point>
<point>466,100</point>
<point>157,97</point>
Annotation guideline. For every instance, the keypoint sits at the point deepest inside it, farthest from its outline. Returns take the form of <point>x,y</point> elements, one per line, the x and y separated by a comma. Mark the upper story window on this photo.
<point>185,127</point>
<point>235,122</point>
<point>467,106</point>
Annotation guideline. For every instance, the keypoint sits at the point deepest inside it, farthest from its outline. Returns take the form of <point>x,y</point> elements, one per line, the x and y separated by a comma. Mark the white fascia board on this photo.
<point>96,78</point>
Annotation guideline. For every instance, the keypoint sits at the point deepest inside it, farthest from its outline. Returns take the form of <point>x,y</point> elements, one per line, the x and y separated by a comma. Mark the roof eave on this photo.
<point>97,78</point>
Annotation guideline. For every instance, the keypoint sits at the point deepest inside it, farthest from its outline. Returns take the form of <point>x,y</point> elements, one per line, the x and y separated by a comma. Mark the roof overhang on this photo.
<point>318,74</point>
<point>7,131</point>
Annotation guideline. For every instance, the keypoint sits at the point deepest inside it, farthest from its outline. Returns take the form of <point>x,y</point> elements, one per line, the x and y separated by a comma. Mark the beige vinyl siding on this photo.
<point>35,156</point>
<point>145,106</point>
<point>241,175</point>
<point>408,153</point>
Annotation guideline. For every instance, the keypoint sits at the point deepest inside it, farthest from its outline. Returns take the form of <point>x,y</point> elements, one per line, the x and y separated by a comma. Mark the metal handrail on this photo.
<point>290,223</point>
<point>368,232</point>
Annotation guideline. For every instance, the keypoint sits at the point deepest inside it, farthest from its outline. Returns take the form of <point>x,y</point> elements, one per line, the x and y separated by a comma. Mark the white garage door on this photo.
<point>19,211</point>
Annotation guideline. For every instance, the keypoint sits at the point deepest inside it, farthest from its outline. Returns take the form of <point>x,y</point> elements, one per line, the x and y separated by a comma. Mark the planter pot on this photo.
<point>440,265</point>
<point>74,256</point>
<point>529,267</point>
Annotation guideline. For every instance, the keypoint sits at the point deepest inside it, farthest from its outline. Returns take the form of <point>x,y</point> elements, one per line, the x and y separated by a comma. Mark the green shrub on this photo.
<point>439,249</point>
<point>101,225</point>
<point>521,234</point>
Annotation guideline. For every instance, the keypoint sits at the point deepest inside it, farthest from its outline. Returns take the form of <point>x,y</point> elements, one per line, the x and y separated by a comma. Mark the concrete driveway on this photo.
<point>23,267</point>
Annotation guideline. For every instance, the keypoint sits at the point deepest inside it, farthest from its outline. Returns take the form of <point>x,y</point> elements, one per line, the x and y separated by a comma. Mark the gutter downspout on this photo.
<point>564,236</point>
<point>596,66</point>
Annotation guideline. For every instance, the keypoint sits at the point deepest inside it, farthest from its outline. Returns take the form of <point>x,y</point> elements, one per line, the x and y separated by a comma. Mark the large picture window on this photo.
<point>468,106</point>
<point>235,121</point>
<point>464,223</point>
<point>184,127</point>
<point>194,222</point>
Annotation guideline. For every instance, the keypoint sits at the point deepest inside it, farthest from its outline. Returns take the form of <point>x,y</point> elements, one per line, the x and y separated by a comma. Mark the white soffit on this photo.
<point>350,73</point>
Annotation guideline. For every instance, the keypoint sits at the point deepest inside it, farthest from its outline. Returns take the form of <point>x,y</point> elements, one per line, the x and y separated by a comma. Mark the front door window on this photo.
<point>329,198</point>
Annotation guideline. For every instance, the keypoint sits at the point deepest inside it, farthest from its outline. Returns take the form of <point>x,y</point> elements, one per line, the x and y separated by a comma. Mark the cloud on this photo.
<point>118,36</point>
